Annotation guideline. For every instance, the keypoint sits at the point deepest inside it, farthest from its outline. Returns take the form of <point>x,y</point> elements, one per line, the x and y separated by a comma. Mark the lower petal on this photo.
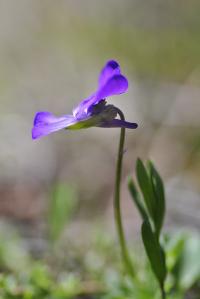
<point>46,123</point>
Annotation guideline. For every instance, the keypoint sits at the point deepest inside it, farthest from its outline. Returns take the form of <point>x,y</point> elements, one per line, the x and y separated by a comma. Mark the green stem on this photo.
<point>163,294</point>
<point>117,208</point>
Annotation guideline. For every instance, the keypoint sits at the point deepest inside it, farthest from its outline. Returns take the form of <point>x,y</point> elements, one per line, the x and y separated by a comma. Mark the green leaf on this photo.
<point>187,268</point>
<point>154,252</point>
<point>136,198</point>
<point>62,205</point>
<point>145,186</point>
<point>159,195</point>
<point>174,244</point>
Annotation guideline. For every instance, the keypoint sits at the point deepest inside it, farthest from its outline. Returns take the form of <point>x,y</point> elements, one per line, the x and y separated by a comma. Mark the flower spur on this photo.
<point>91,112</point>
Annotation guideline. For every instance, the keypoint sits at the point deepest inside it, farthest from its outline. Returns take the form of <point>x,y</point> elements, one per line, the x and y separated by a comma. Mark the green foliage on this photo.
<point>152,188</point>
<point>38,283</point>
<point>63,202</point>
<point>184,261</point>
<point>146,187</point>
<point>174,246</point>
<point>96,272</point>
<point>137,199</point>
<point>152,210</point>
<point>13,255</point>
<point>159,195</point>
<point>189,263</point>
<point>100,275</point>
<point>154,251</point>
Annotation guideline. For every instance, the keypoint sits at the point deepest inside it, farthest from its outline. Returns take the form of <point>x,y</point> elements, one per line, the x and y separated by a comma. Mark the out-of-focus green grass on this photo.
<point>98,273</point>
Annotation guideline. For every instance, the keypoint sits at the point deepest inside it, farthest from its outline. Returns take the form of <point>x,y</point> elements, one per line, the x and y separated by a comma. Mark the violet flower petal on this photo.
<point>46,123</point>
<point>111,82</point>
<point>115,85</point>
<point>92,111</point>
<point>80,112</point>
<point>110,69</point>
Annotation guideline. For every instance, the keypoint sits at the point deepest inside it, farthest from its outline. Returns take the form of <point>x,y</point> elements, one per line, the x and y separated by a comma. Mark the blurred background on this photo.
<point>60,187</point>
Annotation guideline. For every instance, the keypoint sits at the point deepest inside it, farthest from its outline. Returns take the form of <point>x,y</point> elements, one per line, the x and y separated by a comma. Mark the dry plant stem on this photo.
<point>117,207</point>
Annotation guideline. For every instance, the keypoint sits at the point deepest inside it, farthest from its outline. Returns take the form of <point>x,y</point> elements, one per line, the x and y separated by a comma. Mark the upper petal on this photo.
<point>117,84</point>
<point>110,69</point>
<point>46,123</point>
<point>111,82</point>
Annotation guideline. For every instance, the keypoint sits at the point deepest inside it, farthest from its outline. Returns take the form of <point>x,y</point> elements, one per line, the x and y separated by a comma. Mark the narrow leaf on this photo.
<point>136,198</point>
<point>145,186</point>
<point>154,252</point>
<point>158,190</point>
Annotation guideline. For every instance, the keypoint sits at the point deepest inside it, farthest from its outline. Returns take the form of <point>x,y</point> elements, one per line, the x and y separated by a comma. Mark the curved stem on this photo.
<point>117,207</point>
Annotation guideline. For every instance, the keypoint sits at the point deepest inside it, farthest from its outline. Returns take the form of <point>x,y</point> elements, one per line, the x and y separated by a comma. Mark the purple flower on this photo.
<point>91,112</point>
